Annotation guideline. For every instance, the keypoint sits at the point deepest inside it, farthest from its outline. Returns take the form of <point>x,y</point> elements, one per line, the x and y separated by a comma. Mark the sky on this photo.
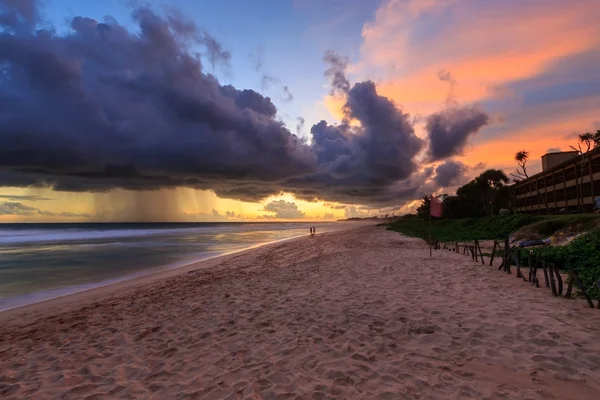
<point>277,110</point>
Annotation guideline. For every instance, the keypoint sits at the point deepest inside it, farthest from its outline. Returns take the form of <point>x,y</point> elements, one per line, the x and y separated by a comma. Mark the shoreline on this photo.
<point>73,290</point>
<point>100,291</point>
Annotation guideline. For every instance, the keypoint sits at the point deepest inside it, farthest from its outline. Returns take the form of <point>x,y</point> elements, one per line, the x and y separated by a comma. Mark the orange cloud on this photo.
<point>537,138</point>
<point>481,46</point>
<point>485,46</point>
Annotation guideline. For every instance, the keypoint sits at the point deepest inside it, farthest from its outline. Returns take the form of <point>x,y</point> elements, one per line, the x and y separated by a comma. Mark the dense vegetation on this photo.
<point>456,230</point>
<point>483,196</point>
<point>581,255</point>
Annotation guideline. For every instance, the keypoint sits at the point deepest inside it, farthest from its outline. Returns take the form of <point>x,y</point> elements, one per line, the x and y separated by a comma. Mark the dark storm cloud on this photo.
<point>449,173</point>
<point>15,14</point>
<point>151,117</point>
<point>449,129</point>
<point>102,107</point>
<point>361,162</point>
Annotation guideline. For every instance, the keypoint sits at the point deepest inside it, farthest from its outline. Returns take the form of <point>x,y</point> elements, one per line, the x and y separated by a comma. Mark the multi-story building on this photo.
<point>567,183</point>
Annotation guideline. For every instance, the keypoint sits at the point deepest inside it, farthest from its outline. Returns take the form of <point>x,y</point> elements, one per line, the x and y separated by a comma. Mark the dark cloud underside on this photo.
<point>102,107</point>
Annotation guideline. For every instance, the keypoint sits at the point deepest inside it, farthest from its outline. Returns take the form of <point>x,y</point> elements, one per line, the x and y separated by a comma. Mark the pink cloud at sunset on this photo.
<point>532,68</point>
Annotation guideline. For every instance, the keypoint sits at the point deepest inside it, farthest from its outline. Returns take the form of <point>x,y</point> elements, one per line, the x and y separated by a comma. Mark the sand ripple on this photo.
<point>363,313</point>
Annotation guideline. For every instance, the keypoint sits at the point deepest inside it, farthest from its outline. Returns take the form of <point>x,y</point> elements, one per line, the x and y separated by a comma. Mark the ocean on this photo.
<point>43,261</point>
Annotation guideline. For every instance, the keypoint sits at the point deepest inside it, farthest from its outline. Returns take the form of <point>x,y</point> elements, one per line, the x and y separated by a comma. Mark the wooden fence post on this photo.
<point>545,265</point>
<point>545,273</point>
<point>509,261</point>
<point>530,265</point>
<point>570,282</point>
<point>559,280</point>
<point>493,252</point>
<point>480,252</point>
<point>534,271</point>
<point>517,257</point>
<point>582,288</point>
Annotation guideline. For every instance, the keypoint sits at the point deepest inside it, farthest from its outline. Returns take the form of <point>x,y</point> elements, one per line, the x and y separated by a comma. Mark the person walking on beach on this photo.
<point>311,231</point>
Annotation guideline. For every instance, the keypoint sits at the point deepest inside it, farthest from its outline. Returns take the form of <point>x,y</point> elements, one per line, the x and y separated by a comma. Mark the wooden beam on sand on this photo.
<point>493,252</point>
<point>506,255</point>
<point>509,261</point>
<point>517,258</point>
<point>530,265</point>
<point>570,282</point>
<point>546,266</point>
<point>583,289</point>
<point>534,271</point>
<point>480,252</point>
<point>559,281</point>
<point>545,274</point>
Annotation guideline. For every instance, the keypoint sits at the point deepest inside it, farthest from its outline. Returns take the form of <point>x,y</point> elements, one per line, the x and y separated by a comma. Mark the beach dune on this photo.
<point>361,313</point>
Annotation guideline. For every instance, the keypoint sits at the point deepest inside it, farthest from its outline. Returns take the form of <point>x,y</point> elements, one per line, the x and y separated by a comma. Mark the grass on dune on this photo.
<point>496,227</point>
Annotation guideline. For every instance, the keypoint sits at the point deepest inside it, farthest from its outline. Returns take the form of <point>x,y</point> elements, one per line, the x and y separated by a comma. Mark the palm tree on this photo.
<point>590,141</point>
<point>521,158</point>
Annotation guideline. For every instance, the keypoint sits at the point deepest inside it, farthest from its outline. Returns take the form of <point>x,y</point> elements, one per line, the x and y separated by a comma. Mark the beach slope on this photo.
<point>362,313</point>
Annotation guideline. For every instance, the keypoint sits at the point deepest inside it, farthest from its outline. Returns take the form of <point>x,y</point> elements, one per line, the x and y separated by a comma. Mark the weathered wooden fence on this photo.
<point>511,255</point>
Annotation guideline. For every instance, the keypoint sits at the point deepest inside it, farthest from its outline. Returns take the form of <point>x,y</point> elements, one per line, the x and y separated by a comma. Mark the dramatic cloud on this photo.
<point>362,162</point>
<point>450,173</point>
<point>20,209</point>
<point>102,107</point>
<point>448,130</point>
<point>536,83</point>
<point>152,118</point>
<point>328,216</point>
<point>284,210</point>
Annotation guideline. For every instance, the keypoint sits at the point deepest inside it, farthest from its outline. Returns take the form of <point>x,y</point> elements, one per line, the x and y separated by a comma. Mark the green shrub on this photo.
<point>456,230</point>
<point>581,255</point>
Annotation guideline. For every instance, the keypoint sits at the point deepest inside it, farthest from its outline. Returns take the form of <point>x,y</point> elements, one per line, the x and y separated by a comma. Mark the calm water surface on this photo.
<point>41,261</point>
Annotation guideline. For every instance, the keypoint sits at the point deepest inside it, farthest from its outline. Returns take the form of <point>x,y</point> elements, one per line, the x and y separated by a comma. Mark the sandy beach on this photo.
<point>363,313</point>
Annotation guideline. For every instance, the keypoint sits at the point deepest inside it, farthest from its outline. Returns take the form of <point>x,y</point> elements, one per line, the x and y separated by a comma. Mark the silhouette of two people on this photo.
<point>313,230</point>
